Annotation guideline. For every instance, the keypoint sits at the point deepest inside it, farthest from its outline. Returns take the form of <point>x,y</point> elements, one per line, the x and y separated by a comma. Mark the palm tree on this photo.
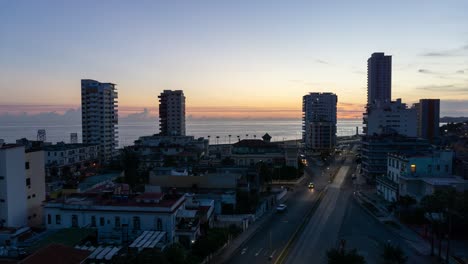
<point>229,139</point>
<point>393,255</point>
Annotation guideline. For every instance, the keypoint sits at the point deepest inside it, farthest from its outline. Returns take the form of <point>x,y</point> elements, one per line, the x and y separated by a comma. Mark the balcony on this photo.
<point>384,180</point>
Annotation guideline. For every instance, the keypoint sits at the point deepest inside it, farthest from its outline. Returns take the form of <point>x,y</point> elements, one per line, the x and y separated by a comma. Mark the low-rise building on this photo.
<point>417,175</point>
<point>123,217</point>
<point>63,158</point>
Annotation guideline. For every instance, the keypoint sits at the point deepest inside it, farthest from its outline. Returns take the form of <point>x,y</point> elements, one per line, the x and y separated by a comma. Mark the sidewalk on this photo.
<point>237,243</point>
<point>371,205</point>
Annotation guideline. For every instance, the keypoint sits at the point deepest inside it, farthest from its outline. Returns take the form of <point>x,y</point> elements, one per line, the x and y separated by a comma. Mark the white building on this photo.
<point>13,205</point>
<point>99,117</point>
<point>390,117</point>
<point>117,216</point>
<point>418,175</point>
<point>172,113</point>
<point>319,119</point>
<point>71,156</point>
<point>35,187</point>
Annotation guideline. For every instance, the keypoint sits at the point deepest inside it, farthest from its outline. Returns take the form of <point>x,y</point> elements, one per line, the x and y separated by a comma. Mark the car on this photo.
<point>311,185</point>
<point>281,208</point>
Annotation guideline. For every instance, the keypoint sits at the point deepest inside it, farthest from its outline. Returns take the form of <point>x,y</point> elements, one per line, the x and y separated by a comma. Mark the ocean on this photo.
<point>218,130</point>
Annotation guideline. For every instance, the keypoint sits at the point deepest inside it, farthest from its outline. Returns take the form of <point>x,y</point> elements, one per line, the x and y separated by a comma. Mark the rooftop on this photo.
<point>255,143</point>
<point>57,253</point>
<point>65,146</point>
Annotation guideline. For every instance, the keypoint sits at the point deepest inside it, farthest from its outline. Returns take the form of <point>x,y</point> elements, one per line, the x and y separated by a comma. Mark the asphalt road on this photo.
<point>273,236</point>
<point>340,217</point>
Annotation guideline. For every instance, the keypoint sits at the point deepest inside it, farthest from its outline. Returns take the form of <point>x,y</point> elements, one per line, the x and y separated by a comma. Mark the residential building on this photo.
<point>248,152</point>
<point>158,150</point>
<point>99,117</point>
<point>379,78</point>
<point>13,202</point>
<point>172,113</point>
<point>428,118</point>
<point>319,121</point>
<point>35,186</point>
<point>376,148</point>
<point>390,118</point>
<point>63,158</point>
<point>124,217</point>
<point>418,174</point>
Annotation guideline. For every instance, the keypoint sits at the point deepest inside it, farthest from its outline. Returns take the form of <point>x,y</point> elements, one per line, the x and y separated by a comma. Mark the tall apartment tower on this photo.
<point>319,121</point>
<point>172,113</point>
<point>379,78</point>
<point>99,117</point>
<point>428,118</point>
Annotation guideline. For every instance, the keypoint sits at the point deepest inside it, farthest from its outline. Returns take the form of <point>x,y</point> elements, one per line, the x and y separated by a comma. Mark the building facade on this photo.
<point>172,113</point>
<point>35,187</point>
<point>390,118</point>
<point>379,78</point>
<point>64,158</point>
<point>99,117</point>
<point>13,205</point>
<point>319,121</point>
<point>428,118</point>
<point>375,150</point>
<point>418,174</point>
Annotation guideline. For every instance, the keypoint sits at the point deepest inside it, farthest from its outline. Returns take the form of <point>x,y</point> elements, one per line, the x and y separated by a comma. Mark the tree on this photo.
<point>393,255</point>
<point>341,256</point>
<point>175,254</point>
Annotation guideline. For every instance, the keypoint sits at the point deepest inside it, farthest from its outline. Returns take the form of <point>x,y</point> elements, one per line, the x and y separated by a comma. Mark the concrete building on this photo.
<point>319,120</point>
<point>123,217</point>
<point>428,118</point>
<point>390,118</point>
<point>375,150</point>
<point>418,174</point>
<point>379,78</point>
<point>99,117</point>
<point>13,205</point>
<point>172,113</point>
<point>35,186</point>
<point>69,158</point>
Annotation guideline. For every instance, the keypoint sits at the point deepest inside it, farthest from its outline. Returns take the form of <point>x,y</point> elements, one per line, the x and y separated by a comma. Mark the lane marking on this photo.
<point>256,254</point>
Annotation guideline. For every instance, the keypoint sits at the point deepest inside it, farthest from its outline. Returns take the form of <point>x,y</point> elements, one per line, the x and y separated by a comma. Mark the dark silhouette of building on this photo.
<point>379,78</point>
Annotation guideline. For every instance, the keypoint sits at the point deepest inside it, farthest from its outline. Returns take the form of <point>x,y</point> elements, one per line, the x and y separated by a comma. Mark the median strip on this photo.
<point>284,252</point>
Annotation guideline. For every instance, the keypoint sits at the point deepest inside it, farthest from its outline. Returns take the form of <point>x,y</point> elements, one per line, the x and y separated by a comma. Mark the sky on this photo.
<point>233,59</point>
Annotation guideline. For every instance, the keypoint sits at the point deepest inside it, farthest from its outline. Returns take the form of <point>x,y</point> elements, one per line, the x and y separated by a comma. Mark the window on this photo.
<point>136,223</point>
<point>429,168</point>
<point>438,167</point>
<point>27,165</point>
<point>413,168</point>
<point>101,221</point>
<point>58,219</point>
<point>159,224</point>
<point>74,221</point>
<point>93,221</point>
<point>28,181</point>
<point>117,222</point>
<point>446,168</point>
<point>49,219</point>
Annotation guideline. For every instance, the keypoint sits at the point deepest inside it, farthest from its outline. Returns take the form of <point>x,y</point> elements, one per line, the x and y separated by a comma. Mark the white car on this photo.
<point>281,208</point>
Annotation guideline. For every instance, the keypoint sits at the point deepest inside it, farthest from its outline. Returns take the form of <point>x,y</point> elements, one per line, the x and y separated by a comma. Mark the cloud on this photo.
<point>447,53</point>
<point>460,72</point>
<point>321,61</point>
<point>454,88</point>
<point>425,71</point>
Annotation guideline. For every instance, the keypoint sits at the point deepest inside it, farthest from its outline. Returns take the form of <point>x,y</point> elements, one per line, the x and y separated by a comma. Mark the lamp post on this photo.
<point>229,139</point>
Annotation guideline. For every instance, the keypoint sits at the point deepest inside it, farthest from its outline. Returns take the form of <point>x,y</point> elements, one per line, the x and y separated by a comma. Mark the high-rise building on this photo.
<point>379,78</point>
<point>390,118</point>
<point>319,121</point>
<point>428,118</point>
<point>172,113</point>
<point>99,117</point>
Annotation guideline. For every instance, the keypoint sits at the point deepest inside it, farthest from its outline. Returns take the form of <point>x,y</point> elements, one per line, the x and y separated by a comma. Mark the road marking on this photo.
<point>256,254</point>
<point>243,251</point>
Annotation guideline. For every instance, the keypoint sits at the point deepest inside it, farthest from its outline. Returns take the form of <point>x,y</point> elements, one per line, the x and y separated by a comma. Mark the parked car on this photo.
<point>281,208</point>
